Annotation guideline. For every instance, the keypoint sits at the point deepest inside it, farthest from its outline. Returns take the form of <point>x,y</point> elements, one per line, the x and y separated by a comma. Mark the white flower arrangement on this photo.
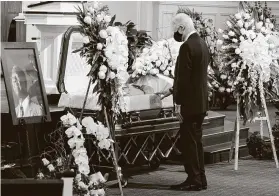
<point>248,58</point>
<point>159,58</point>
<point>84,183</point>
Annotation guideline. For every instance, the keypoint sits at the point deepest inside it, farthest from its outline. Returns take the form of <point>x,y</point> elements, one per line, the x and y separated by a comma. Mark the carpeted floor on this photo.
<point>254,178</point>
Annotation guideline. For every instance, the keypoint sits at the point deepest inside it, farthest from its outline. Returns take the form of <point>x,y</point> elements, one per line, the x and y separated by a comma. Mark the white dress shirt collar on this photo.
<point>25,104</point>
<point>192,32</point>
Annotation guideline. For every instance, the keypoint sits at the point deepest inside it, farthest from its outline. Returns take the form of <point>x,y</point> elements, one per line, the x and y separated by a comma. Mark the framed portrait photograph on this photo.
<point>24,83</point>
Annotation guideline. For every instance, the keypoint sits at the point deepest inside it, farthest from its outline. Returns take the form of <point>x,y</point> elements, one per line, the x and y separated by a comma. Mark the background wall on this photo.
<point>218,11</point>
<point>155,16</point>
<point>9,10</point>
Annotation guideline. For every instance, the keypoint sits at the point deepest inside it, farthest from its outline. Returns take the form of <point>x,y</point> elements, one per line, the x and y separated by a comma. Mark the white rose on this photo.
<point>246,25</point>
<point>96,5</point>
<point>45,161</point>
<point>102,75</point>
<point>231,33</point>
<point>229,24</point>
<point>225,36</point>
<point>101,192</point>
<point>91,9</point>
<point>103,68</point>
<point>234,40</point>
<point>238,16</point>
<point>103,34</point>
<point>259,25</point>
<point>85,40</point>
<point>158,63</point>
<point>142,72</point>
<point>50,167</point>
<point>247,16</point>
<point>219,42</point>
<point>237,51</point>
<point>166,73</point>
<point>82,186</point>
<point>263,29</point>
<point>230,83</point>
<point>233,65</point>
<point>267,20</point>
<point>228,90</point>
<point>145,50</point>
<point>242,31</point>
<point>99,18</point>
<point>250,89</point>
<point>271,26</point>
<point>241,38</point>
<point>252,35</point>
<point>99,46</point>
<point>223,77</point>
<point>271,46</point>
<point>78,178</point>
<point>220,31</point>
<point>107,18</point>
<point>223,47</point>
<point>87,20</point>
<point>112,75</point>
<point>240,23</point>
<point>221,89</point>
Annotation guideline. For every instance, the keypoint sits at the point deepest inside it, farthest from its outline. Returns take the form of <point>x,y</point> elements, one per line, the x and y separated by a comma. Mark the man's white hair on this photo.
<point>183,20</point>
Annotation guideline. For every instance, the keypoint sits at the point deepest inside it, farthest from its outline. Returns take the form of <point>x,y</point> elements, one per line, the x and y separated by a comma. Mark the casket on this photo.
<point>149,123</point>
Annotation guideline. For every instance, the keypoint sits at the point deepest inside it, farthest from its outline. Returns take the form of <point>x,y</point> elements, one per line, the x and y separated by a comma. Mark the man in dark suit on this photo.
<point>190,96</point>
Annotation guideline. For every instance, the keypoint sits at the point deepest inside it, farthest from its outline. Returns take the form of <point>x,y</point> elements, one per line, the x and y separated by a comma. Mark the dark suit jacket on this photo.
<point>190,81</point>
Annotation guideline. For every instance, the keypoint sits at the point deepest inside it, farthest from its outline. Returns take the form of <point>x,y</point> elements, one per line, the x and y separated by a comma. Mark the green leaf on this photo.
<point>118,24</point>
<point>96,87</point>
<point>78,50</point>
<point>112,20</point>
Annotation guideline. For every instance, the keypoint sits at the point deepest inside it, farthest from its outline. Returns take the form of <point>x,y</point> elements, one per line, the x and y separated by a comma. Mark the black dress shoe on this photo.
<point>191,187</point>
<point>179,186</point>
<point>204,187</point>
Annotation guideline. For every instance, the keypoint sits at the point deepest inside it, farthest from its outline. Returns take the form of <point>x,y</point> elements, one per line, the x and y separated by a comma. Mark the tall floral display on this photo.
<point>249,57</point>
<point>105,48</point>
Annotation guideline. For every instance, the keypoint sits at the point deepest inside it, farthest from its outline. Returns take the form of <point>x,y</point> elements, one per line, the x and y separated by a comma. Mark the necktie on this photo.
<point>21,111</point>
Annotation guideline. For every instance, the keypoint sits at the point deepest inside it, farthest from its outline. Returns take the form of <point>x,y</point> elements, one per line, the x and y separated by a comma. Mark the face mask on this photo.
<point>177,36</point>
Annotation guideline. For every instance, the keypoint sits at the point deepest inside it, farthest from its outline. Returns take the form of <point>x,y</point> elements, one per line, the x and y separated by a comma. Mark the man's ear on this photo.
<point>181,29</point>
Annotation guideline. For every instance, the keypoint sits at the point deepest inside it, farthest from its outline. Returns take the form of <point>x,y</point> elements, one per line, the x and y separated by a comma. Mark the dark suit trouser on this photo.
<point>192,147</point>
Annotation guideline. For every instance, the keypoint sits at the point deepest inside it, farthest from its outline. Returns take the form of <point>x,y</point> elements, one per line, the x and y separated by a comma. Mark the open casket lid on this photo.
<point>72,81</point>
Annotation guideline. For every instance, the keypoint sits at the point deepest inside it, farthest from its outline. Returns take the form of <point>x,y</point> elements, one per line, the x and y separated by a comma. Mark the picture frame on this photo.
<point>24,83</point>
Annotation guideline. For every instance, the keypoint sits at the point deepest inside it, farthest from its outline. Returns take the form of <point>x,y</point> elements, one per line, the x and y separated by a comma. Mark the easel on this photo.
<point>235,139</point>
<point>26,128</point>
<point>119,174</point>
